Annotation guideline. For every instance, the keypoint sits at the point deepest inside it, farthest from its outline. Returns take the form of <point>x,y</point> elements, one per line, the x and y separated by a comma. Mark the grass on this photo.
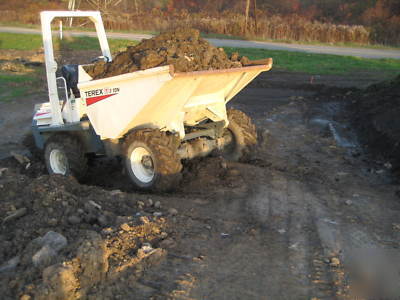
<point>320,64</point>
<point>16,86</point>
<point>20,41</point>
<point>34,42</point>
<point>283,60</point>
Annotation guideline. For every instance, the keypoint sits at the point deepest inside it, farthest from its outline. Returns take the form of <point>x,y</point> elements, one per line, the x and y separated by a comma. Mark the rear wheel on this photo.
<point>65,155</point>
<point>241,134</point>
<point>151,160</point>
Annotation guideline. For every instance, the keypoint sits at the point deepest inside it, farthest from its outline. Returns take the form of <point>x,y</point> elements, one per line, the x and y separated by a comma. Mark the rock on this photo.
<point>349,202</point>
<point>150,202</point>
<point>146,248</point>
<point>387,165</point>
<point>163,235</point>
<point>93,258</point>
<point>144,220</point>
<point>233,172</point>
<point>172,211</point>
<point>126,227</point>
<point>103,220</point>
<point>123,219</point>
<point>10,265</point>
<point>54,240</point>
<point>44,257</point>
<point>3,170</point>
<point>15,215</point>
<point>107,230</point>
<point>115,193</point>
<point>140,204</point>
<point>22,159</point>
<point>59,281</point>
<point>157,204</point>
<point>94,204</point>
<point>201,201</point>
<point>334,262</point>
<point>52,222</point>
<point>157,214</point>
<point>223,164</point>
<point>74,220</point>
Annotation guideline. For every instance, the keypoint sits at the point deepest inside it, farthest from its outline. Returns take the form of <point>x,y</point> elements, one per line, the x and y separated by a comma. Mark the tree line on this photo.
<point>359,21</point>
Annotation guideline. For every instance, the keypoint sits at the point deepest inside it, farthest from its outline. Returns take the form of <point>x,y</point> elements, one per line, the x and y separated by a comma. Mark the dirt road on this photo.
<point>310,216</point>
<point>346,51</point>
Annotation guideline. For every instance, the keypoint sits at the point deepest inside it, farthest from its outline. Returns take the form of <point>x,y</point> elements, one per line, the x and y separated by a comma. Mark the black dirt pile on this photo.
<point>63,240</point>
<point>377,111</point>
<point>182,48</point>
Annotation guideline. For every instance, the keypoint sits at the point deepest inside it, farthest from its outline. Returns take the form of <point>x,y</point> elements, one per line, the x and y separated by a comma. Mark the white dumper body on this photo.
<point>152,118</point>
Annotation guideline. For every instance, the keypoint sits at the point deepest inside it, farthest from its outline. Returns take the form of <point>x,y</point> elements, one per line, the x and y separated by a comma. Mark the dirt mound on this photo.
<point>63,240</point>
<point>377,110</point>
<point>182,48</point>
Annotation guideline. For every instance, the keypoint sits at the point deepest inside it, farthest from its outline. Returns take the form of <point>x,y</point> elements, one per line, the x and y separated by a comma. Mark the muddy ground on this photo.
<point>312,215</point>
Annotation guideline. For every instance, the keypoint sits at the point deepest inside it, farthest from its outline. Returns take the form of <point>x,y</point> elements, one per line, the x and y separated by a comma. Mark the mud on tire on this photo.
<point>72,149</point>
<point>163,164</point>
<point>243,133</point>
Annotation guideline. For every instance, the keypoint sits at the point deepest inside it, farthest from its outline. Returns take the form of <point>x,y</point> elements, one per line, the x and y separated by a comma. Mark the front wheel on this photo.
<point>64,155</point>
<point>151,160</point>
<point>241,134</point>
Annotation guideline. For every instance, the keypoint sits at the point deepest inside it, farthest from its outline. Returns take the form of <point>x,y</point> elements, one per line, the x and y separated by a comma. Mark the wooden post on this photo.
<point>136,8</point>
<point>255,16</point>
<point>246,16</point>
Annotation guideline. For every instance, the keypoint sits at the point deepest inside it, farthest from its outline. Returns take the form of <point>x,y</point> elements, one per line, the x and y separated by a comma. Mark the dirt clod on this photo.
<point>183,48</point>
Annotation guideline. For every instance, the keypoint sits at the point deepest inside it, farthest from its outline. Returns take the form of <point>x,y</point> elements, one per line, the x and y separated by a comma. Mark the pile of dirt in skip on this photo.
<point>63,240</point>
<point>182,48</point>
<point>377,111</point>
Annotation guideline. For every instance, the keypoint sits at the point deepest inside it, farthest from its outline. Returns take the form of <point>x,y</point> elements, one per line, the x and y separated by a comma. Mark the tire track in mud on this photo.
<point>290,238</point>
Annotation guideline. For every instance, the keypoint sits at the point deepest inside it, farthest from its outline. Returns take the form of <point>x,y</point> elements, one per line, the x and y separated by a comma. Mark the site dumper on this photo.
<point>153,118</point>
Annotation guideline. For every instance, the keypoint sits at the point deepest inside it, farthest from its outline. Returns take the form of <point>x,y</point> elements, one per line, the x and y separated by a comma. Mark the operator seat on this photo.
<point>70,73</point>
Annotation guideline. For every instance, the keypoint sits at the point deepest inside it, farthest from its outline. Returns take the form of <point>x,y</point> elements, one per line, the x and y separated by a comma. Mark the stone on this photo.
<point>2,170</point>
<point>123,219</point>
<point>15,215</point>
<point>10,265</point>
<point>223,164</point>
<point>334,262</point>
<point>60,282</point>
<point>126,227</point>
<point>54,240</point>
<point>157,204</point>
<point>173,211</point>
<point>233,172</point>
<point>144,220</point>
<point>74,220</point>
<point>115,192</point>
<point>157,214</point>
<point>22,159</point>
<point>52,222</point>
<point>349,202</point>
<point>150,202</point>
<point>44,257</point>
<point>103,221</point>
<point>93,258</point>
